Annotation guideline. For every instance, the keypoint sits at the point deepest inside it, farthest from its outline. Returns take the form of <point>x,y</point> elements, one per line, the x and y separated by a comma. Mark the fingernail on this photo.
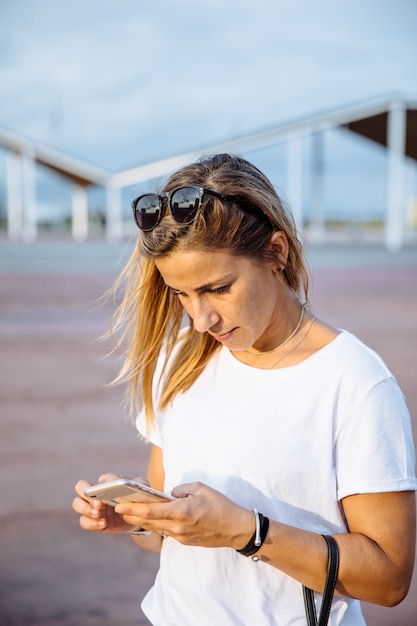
<point>101,523</point>
<point>118,509</point>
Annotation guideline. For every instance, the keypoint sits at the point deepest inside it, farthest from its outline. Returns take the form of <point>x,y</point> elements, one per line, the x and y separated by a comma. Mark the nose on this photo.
<point>203,315</point>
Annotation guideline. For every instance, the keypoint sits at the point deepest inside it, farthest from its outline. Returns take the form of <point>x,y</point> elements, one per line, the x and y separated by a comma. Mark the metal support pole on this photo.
<point>317,229</point>
<point>295,178</point>
<point>114,223</point>
<point>14,196</point>
<point>30,222</point>
<point>79,213</point>
<point>394,224</point>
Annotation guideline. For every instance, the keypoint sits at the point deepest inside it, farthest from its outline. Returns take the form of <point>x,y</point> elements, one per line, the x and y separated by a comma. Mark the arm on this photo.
<point>156,478</point>
<point>376,557</point>
<point>382,542</point>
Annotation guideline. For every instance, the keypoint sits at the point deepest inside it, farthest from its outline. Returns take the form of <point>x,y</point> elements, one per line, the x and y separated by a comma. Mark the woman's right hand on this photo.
<point>96,515</point>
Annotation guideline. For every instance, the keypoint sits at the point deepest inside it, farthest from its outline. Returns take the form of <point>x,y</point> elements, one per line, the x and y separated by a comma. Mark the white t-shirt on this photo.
<point>290,442</point>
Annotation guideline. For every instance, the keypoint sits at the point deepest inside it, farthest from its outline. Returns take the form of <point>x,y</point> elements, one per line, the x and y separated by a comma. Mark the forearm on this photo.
<point>303,556</point>
<point>366,572</point>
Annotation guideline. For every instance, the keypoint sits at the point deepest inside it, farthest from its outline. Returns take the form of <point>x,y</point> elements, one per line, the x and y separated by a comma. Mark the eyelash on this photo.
<point>218,290</point>
<point>224,289</point>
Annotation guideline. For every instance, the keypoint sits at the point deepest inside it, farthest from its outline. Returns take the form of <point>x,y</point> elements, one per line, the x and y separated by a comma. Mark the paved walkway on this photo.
<point>59,422</point>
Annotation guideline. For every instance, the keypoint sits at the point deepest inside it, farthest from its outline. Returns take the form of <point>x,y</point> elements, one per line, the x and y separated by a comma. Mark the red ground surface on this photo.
<point>59,422</point>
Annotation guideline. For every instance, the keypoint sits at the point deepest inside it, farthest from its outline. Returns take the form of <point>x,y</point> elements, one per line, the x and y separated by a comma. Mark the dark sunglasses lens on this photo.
<point>147,211</point>
<point>184,204</point>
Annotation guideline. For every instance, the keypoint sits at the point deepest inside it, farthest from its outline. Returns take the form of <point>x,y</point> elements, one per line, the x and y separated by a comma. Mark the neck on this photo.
<point>286,340</point>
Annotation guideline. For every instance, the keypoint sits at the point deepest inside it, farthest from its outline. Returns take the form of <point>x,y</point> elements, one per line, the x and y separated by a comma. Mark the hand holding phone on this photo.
<point>125,490</point>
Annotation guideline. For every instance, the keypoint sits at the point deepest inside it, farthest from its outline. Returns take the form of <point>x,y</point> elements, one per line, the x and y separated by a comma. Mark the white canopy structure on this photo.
<point>23,155</point>
<point>390,121</point>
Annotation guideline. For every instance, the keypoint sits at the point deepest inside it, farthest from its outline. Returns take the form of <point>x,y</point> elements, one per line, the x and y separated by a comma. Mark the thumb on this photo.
<point>188,489</point>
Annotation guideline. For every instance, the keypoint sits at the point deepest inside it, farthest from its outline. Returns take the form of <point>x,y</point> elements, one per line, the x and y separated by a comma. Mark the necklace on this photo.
<point>281,345</point>
<point>313,319</point>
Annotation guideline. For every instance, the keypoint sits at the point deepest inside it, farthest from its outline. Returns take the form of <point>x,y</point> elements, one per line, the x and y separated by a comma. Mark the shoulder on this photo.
<point>349,368</point>
<point>338,350</point>
<point>355,354</point>
<point>359,378</point>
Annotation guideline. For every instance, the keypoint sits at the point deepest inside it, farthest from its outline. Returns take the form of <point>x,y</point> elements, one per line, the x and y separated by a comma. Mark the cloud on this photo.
<point>122,83</point>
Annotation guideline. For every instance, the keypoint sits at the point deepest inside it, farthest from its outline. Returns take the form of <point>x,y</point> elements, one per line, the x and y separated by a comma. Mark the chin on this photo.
<point>239,346</point>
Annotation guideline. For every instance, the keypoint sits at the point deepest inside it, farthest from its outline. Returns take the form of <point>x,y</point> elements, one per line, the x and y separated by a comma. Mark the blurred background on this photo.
<point>101,100</point>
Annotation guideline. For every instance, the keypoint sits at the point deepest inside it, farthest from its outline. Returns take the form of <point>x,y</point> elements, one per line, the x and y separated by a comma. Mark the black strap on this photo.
<point>332,570</point>
<point>251,547</point>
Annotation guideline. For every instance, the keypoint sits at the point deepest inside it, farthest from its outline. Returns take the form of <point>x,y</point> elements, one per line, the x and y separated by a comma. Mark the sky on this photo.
<point>122,83</point>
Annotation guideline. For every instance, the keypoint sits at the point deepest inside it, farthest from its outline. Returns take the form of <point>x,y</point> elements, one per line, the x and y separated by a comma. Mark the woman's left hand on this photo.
<point>199,516</point>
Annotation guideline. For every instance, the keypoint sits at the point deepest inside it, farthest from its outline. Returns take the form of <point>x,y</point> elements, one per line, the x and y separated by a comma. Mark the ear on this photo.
<point>279,246</point>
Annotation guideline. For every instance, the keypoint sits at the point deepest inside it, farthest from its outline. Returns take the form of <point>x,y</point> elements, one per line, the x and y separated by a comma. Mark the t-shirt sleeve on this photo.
<point>149,434</point>
<point>152,433</point>
<point>374,449</point>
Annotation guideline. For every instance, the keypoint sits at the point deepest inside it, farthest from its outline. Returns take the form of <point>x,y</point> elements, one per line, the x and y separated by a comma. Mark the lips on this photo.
<point>223,337</point>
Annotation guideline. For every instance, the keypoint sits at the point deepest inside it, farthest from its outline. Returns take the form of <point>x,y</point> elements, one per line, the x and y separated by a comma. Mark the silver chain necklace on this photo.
<point>313,319</point>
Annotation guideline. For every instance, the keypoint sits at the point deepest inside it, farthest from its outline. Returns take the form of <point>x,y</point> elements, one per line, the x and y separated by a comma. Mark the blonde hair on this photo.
<point>150,316</point>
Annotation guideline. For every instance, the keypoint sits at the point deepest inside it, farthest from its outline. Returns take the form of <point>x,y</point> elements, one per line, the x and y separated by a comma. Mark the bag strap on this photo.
<point>332,570</point>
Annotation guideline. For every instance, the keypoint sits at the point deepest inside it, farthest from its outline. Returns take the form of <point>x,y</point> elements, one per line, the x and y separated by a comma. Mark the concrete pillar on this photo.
<point>79,213</point>
<point>14,196</point>
<point>30,222</point>
<point>395,216</point>
<point>114,221</point>
<point>295,177</point>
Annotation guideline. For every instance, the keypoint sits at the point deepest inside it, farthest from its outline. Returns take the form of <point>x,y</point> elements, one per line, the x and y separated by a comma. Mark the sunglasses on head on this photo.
<point>184,204</point>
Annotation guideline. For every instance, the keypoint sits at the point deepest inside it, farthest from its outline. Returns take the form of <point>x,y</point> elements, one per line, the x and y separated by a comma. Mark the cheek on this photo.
<point>186,307</point>
<point>261,304</point>
<point>250,310</point>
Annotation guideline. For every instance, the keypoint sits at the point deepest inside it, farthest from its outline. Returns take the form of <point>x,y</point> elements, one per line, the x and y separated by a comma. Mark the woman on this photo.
<point>255,406</point>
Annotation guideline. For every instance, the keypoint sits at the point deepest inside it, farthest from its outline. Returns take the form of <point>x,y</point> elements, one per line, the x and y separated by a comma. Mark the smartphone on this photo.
<point>125,490</point>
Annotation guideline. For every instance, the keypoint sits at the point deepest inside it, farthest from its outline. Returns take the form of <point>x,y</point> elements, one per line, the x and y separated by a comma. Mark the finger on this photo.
<point>81,486</point>
<point>96,525</point>
<point>133,520</point>
<point>95,505</point>
<point>84,507</point>
<point>146,511</point>
<point>149,516</point>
